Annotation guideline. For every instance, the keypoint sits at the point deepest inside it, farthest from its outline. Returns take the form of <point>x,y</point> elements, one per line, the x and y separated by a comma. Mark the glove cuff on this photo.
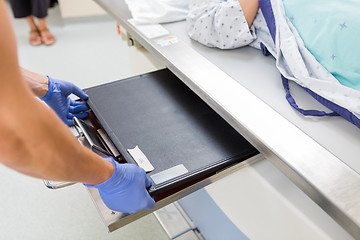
<point>50,90</point>
<point>103,184</point>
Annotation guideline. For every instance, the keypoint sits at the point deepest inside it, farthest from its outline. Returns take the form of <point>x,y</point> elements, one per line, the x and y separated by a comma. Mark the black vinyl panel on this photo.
<point>169,123</point>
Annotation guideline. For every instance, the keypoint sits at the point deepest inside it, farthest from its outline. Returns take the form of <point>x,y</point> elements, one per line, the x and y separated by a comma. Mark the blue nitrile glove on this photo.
<point>58,99</point>
<point>125,191</point>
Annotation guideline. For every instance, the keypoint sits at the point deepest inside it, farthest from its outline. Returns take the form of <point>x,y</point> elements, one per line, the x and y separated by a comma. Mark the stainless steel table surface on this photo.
<point>337,135</point>
<point>319,155</point>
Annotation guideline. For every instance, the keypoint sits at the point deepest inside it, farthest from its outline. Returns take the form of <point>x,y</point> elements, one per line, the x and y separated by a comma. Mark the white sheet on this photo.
<point>158,11</point>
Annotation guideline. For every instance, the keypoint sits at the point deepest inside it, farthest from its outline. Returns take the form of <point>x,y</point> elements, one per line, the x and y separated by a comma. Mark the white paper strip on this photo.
<point>140,158</point>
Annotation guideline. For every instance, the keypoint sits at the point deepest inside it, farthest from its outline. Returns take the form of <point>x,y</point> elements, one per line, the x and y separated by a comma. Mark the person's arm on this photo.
<point>32,139</point>
<point>56,94</point>
<point>38,83</point>
<point>35,142</point>
<point>250,9</point>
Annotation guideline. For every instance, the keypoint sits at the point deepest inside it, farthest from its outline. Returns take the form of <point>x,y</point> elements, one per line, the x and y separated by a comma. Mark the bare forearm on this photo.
<point>33,140</point>
<point>40,145</point>
<point>39,84</point>
<point>250,8</point>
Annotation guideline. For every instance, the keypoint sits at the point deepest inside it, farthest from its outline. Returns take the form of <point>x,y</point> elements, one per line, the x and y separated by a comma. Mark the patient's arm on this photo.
<point>222,24</point>
<point>250,8</point>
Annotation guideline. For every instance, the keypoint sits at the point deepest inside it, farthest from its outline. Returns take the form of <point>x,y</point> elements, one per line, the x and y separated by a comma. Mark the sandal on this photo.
<point>46,37</point>
<point>35,38</point>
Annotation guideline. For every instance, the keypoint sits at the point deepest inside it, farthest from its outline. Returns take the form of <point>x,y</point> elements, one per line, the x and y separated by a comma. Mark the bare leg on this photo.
<point>42,23</point>
<point>46,37</point>
<point>31,22</point>
<point>35,38</point>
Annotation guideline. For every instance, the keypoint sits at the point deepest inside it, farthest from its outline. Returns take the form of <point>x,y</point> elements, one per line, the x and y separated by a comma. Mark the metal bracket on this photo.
<point>176,223</point>
<point>51,185</point>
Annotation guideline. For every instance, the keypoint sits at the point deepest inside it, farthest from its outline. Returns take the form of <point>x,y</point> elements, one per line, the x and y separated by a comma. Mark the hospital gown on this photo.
<point>222,24</point>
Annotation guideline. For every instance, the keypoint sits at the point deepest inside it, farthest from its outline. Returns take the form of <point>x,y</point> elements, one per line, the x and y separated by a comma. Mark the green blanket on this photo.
<point>330,30</point>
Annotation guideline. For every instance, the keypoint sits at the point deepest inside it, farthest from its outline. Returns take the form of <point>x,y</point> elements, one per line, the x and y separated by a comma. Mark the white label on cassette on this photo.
<point>169,173</point>
<point>140,158</point>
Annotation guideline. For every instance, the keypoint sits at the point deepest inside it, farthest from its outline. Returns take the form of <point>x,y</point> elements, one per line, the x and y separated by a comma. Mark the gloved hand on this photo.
<point>125,191</point>
<point>58,99</point>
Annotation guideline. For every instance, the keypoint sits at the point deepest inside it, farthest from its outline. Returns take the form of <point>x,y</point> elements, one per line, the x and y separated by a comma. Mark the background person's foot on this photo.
<point>35,38</point>
<point>46,37</point>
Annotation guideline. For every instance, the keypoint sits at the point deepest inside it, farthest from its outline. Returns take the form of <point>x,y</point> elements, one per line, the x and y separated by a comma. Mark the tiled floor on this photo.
<point>87,52</point>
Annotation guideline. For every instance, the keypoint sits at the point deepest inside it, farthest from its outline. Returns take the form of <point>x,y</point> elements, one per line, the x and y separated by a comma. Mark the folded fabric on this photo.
<point>158,11</point>
<point>296,62</point>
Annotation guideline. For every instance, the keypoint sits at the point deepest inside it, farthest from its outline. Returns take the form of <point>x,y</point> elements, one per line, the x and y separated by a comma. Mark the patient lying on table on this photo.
<point>227,24</point>
<point>314,50</point>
